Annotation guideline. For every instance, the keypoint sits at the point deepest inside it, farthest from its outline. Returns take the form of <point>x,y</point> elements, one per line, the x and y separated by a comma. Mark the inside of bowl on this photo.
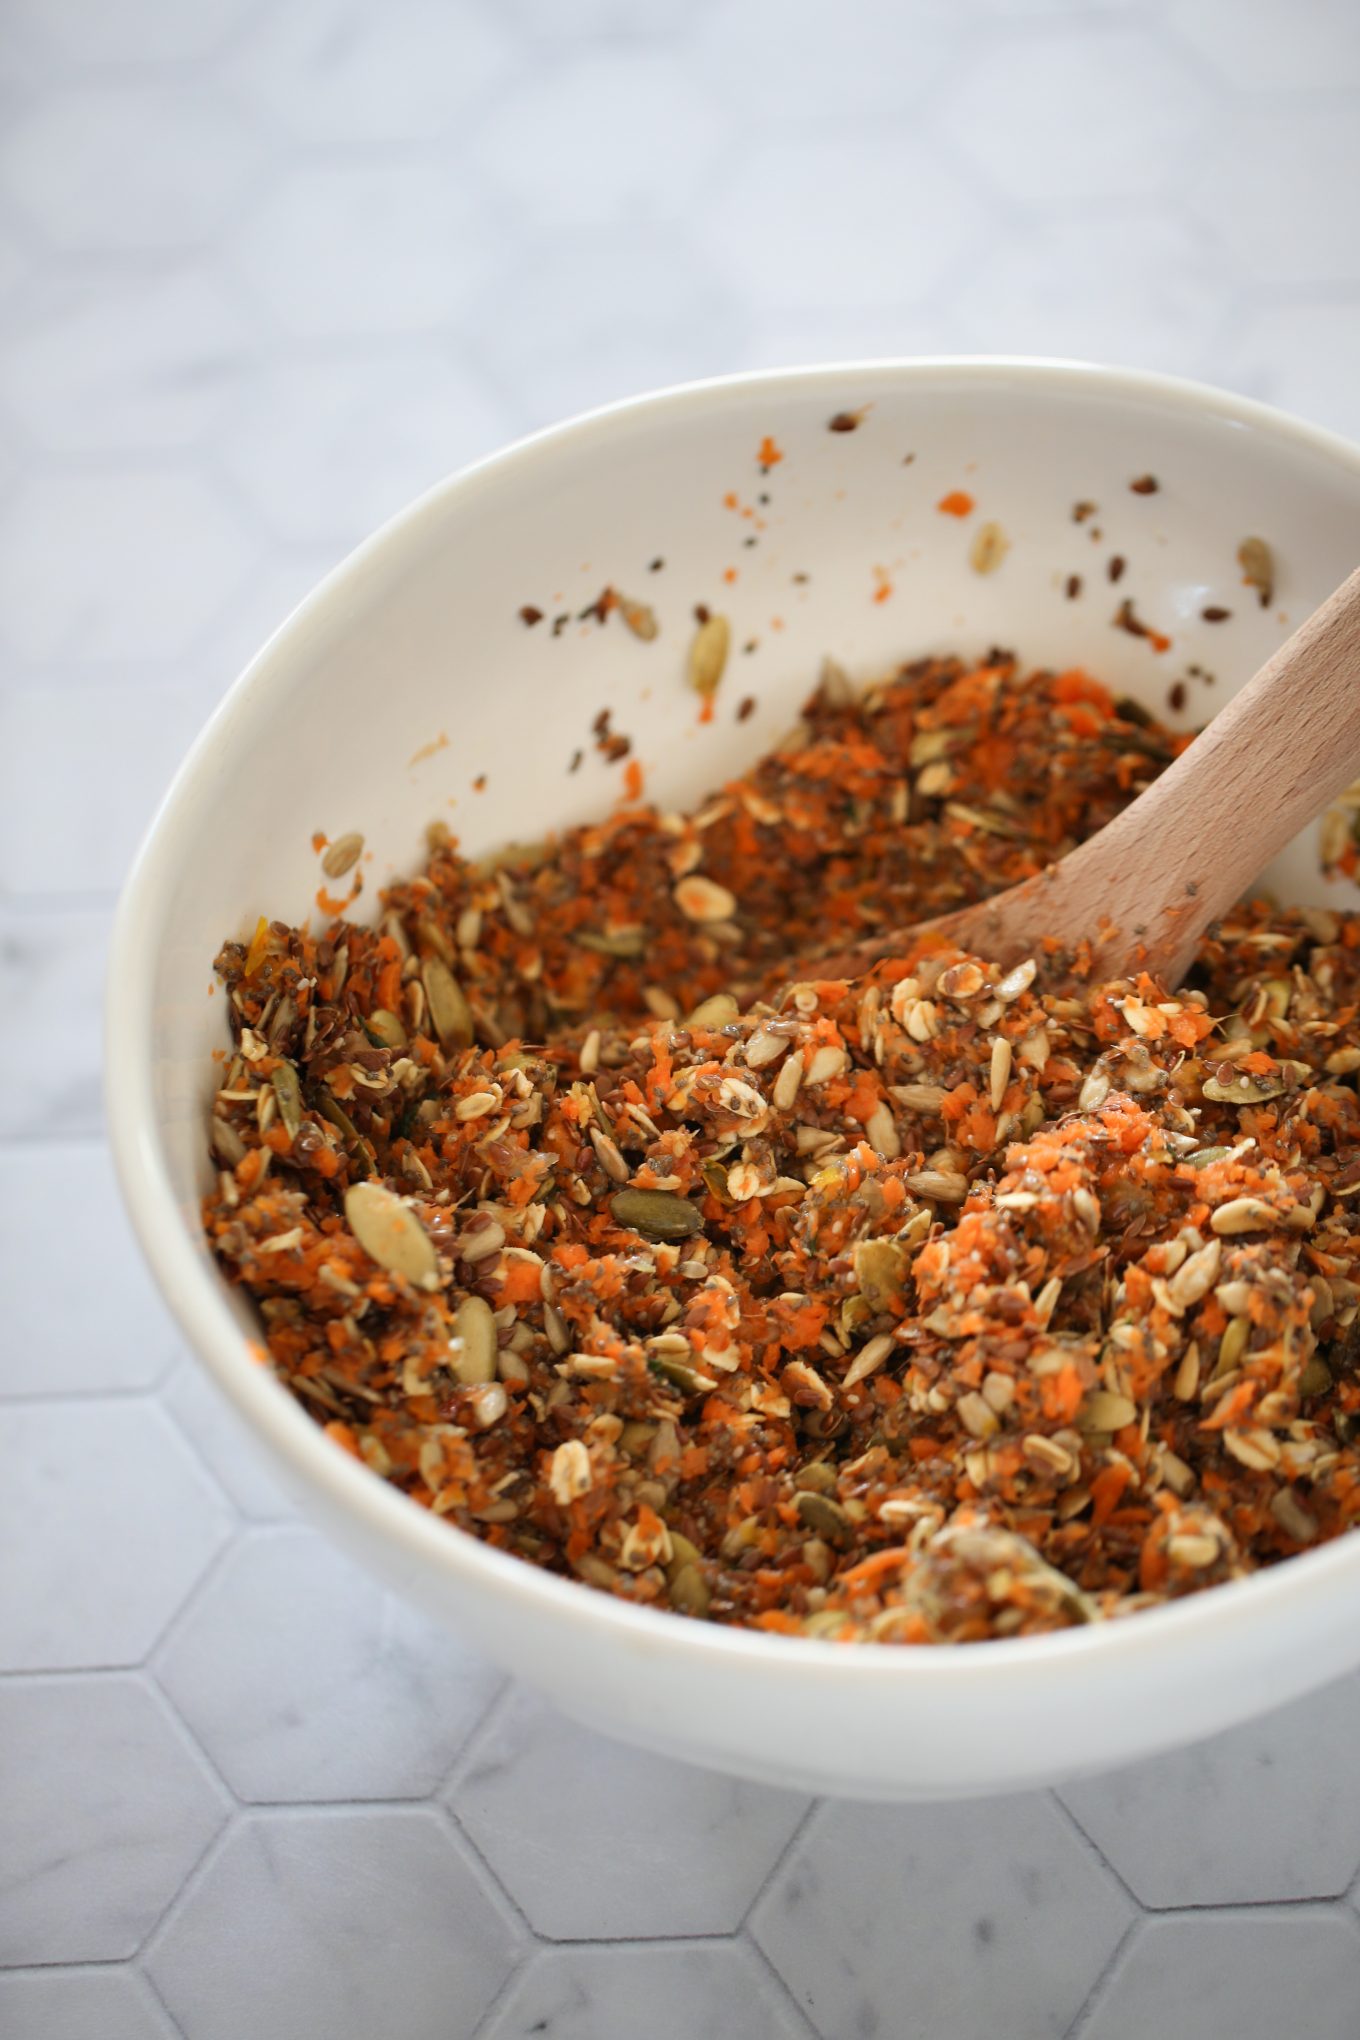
<point>465,668</point>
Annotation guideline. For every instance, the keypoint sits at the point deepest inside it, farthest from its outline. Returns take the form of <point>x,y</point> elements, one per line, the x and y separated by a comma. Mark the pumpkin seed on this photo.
<point>449,1009</point>
<point>621,942</point>
<point>825,1517</point>
<point>288,1091</point>
<point>390,1234</point>
<point>656,1214</point>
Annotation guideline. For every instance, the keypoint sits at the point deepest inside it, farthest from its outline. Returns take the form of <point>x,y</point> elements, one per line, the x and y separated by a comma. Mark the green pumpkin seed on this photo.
<point>288,1091</point>
<point>827,1519</point>
<point>449,1009</point>
<point>624,942</point>
<point>688,1590</point>
<point>656,1214</point>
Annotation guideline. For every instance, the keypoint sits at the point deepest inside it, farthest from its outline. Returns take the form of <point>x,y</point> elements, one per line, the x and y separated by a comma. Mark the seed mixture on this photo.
<point>947,1303</point>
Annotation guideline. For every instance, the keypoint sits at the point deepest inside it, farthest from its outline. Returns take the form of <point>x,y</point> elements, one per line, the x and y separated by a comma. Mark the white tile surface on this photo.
<point>222,1442</point>
<point>111,1330</point>
<point>267,267</point>
<point>364,1700</point>
<point>124,363</point>
<point>1106,110</point>
<point>113,567</point>
<point>52,980</point>
<point>126,1521</point>
<point>619,1993</point>
<point>79,729</point>
<point>390,247</point>
<point>73,2004</point>
<point>325,451</point>
<point>336,1923</point>
<point>127,169</point>
<point>981,1917</point>
<point>1271,1810</point>
<point>1204,1977</point>
<point>671,1850</point>
<point>344,74</point>
<point>105,1807</point>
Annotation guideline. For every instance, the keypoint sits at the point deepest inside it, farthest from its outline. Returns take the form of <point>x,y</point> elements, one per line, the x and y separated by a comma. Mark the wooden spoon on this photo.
<point>1143,890</point>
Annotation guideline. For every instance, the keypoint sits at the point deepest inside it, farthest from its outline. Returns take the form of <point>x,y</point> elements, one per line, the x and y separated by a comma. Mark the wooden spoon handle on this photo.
<point>1193,843</point>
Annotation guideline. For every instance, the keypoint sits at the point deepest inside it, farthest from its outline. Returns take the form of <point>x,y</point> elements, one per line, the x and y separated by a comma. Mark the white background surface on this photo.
<point>267,268</point>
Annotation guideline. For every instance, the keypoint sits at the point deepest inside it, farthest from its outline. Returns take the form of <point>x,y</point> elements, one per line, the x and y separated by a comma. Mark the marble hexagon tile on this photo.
<point>972,1918</point>
<point>105,1807</point>
<point>125,1522</point>
<point>336,1922</point>
<point>303,1680</point>
<point>90,2004</point>
<point>671,1850</point>
<point>112,1332</point>
<point>1270,1810</point>
<point>1204,1976</point>
<point>52,971</point>
<point>666,1992</point>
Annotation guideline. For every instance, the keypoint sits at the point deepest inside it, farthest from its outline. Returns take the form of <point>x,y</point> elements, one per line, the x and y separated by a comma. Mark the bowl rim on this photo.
<point>195,1293</point>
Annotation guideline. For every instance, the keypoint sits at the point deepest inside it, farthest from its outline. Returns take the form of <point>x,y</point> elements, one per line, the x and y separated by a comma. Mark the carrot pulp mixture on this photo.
<point>945,1304</point>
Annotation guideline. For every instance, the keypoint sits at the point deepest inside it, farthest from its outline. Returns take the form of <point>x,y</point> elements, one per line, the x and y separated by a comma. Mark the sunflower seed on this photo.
<point>708,654</point>
<point>343,854</point>
<point>390,1234</point>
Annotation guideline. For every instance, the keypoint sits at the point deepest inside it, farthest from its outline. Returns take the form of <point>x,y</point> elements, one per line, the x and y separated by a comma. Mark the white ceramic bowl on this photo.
<point>409,673</point>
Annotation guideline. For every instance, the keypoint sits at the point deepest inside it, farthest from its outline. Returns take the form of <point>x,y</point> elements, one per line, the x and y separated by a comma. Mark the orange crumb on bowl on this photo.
<point>958,503</point>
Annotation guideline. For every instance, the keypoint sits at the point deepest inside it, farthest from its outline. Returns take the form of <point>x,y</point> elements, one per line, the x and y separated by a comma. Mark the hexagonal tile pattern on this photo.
<point>1093,111</point>
<point>129,169</point>
<point>337,1923</point>
<point>1058,287</point>
<point>328,451</point>
<point>303,1680</point>
<point>1202,1977</point>
<point>128,366</point>
<point>1270,1810</point>
<point>222,1441</point>
<point>126,1522</point>
<point>134,31</point>
<point>267,269</point>
<point>52,977</point>
<point>577,333</point>
<point>340,72</point>
<point>46,731</point>
<point>787,221</point>
<point>109,566</point>
<point>75,2004</point>
<point>756,55</point>
<point>1274,45</point>
<point>667,1993</point>
<point>672,1850</point>
<point>391,248</point>
<point>112,1331</point>
<point>984,1917</point>
<point>638,127</point>
<point>1261,191</point>
<point>104,1810</point>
